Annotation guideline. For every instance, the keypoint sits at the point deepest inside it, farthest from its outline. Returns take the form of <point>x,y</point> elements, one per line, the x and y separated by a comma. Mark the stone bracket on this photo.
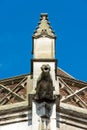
<point>44,109</point>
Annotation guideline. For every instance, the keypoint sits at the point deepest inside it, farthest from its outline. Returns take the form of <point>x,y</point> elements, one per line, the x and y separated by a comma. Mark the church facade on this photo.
<point>46,99</point>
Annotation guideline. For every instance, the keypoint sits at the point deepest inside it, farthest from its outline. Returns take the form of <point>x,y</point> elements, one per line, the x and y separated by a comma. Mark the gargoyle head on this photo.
<point>45,68</point>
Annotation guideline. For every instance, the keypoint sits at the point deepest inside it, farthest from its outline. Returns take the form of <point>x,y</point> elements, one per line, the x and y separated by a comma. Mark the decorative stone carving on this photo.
<point>44,28</point>
<point>44,109</point>
<point>44,87</point>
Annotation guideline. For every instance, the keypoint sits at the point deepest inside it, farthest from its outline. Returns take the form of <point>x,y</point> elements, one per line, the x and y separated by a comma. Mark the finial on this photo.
<point>44,16</point>
<point>44,28</point>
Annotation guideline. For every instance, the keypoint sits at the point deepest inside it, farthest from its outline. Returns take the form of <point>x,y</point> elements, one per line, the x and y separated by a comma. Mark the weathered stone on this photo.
<point>44,87</point>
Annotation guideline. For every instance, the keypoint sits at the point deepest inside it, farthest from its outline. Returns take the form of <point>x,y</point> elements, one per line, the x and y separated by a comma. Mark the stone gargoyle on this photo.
<point>44,86</point>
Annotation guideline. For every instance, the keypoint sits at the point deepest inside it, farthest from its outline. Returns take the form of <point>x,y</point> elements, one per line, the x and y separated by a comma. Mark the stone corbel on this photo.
<point>44,109</point>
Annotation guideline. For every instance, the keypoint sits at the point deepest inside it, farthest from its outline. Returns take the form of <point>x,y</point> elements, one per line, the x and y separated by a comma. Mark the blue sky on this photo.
<point>18,19</point>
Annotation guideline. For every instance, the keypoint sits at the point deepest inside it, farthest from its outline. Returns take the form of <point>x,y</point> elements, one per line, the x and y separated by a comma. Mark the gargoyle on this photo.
<point>44,87</point>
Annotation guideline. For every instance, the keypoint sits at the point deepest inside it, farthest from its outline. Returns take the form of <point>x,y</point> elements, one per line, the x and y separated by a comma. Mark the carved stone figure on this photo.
<point>44,87</point>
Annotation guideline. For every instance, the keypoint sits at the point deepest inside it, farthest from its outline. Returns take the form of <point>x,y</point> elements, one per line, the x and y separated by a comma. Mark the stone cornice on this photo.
<point>73,110</point>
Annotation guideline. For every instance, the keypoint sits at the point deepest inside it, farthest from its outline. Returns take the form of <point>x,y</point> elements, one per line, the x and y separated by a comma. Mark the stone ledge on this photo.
<point>73,110</point>
<point>14,107</point>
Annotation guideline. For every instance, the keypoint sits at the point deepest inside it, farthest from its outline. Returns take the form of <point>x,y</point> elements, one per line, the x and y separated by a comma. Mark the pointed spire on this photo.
<point>44,28</point>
